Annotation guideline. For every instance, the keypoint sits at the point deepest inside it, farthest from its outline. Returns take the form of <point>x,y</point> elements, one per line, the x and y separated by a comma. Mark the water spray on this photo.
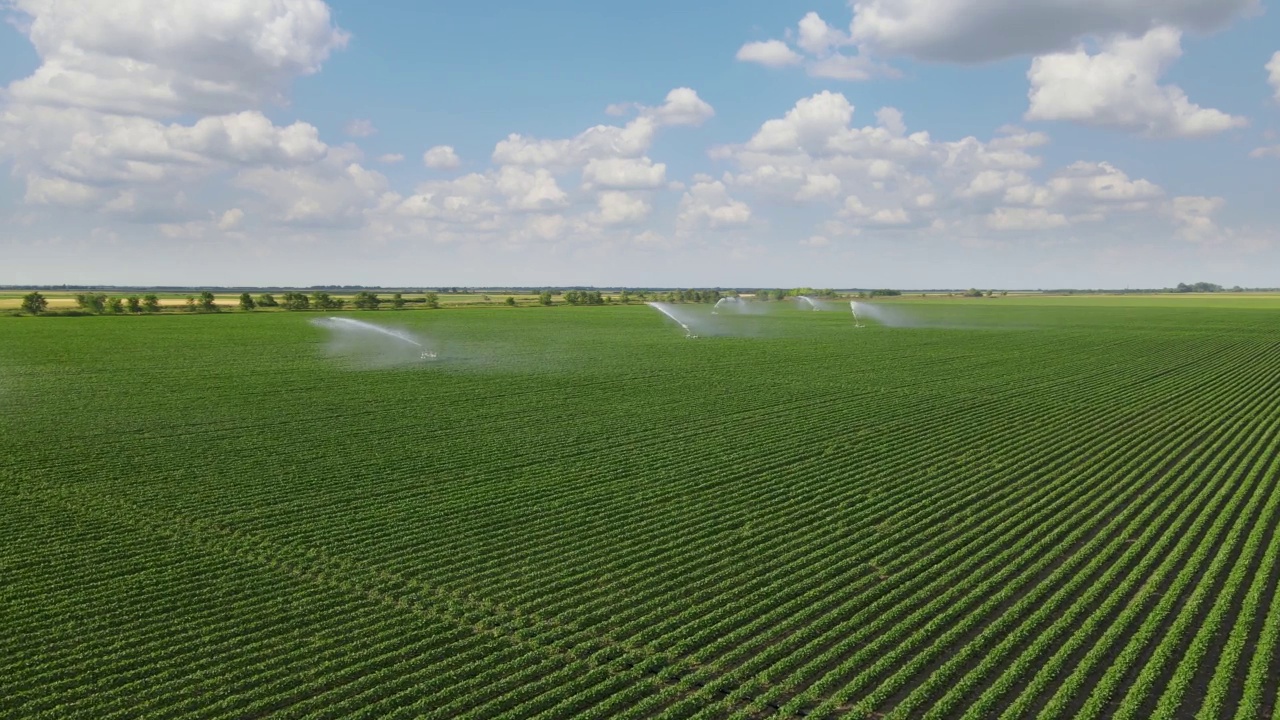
<point>809,300</point>
<point>662,308</point>
<point>715,310</point>
<point>349,326</point>
<point>853,305</point>
<point>370,327</point>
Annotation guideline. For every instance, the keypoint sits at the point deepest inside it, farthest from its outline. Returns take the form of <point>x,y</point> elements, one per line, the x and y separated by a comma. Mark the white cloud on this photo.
<point>844,67</point>
<point>1016,218</point>
<point>890,177</point>
<point>1101,182</point>
<point>857,211</point>
<point>89,147</point>
<point>816,37</point>
<point>1273,73</point>
<point>625,173</point>
<point>820,43</point>
<point>682,106</point>
<point>1119,87</point>
<point>231,219</point>
<point>527,190</point>
<point>620,208</point>
<point>819,186</point>
<point>983,30</point>
<point>172,58</point>
<point>59,192</point>
<point>808,127</point>
<point>90,125</point>
<point>391,158</point>
<point>1193,216</point>
<point>708,204</point>
<point>441,157</point>
<point>1269,151</point>
<point>360,128</point>
<point>770,53</point>
<point>815,241</point>
<point>993,182</point>
<point>335,192</point>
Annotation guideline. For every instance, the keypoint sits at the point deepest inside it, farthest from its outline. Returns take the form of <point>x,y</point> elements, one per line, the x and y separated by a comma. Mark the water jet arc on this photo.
<point>662,308</point>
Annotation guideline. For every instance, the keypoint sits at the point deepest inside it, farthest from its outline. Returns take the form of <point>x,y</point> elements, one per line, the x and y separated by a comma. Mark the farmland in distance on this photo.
<point>1060,507</point>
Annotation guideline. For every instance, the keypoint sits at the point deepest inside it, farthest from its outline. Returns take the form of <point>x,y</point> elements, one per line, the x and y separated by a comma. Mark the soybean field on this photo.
<point>1015,507</point>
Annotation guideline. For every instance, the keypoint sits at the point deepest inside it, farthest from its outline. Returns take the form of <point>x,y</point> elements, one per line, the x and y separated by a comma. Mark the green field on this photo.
<point>1054,507</point>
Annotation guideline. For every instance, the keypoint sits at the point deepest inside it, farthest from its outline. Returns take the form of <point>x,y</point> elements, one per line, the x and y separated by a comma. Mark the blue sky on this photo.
<point>948,143</point>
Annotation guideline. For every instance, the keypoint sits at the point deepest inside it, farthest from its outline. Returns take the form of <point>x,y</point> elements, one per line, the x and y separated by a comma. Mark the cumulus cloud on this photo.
<point>391,158</point>
<point>770,53</point>
<point>360,128</point>
<point>334,192</point>
<point>1013,218</point>
<point>707,204</point>
<point>621,208</point>
<point>819,186</point>
<point>1273,74</point>
<point>61,192</point>
<point>984,30</point>
<point>625,173</point>
<point>231,219</point>
<point>682,106</point>
<point>887,177</point>
<point>441,157</point>
<point>525,190</point>
<point>94,148</point>
<point>94,123</point>
<point>1193,216</point>
<point>172,58</point>
<point>1116,86</point>
<point>1119,87</point>
<point>822,57</point>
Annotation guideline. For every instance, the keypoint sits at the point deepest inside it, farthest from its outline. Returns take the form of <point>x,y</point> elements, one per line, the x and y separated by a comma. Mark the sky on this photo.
<point>871,143</point>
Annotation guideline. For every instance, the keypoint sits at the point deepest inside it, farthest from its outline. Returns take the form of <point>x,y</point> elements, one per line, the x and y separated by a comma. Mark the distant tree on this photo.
<point>1004,293</point>
<point>544,298</point>
<point>93,302</point>
<point>116,306</point>
<point>296,301</point>
<point>484,298</point>
<point>246,302</point>
<point>973,292</point>
<point>135,305</point>
<point>150,303</point>
<point>885,293</point>
<point>207,303</point>
<point>267,300</point>
<point>510,301</point>
<point>397,301</point>
<point>432,300</point>
<point>34,303</point>
<point>325,301</point>
<point>366,300</point>
<point>991,293</point>
<point>191,303</point>
<point>624,297</point>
